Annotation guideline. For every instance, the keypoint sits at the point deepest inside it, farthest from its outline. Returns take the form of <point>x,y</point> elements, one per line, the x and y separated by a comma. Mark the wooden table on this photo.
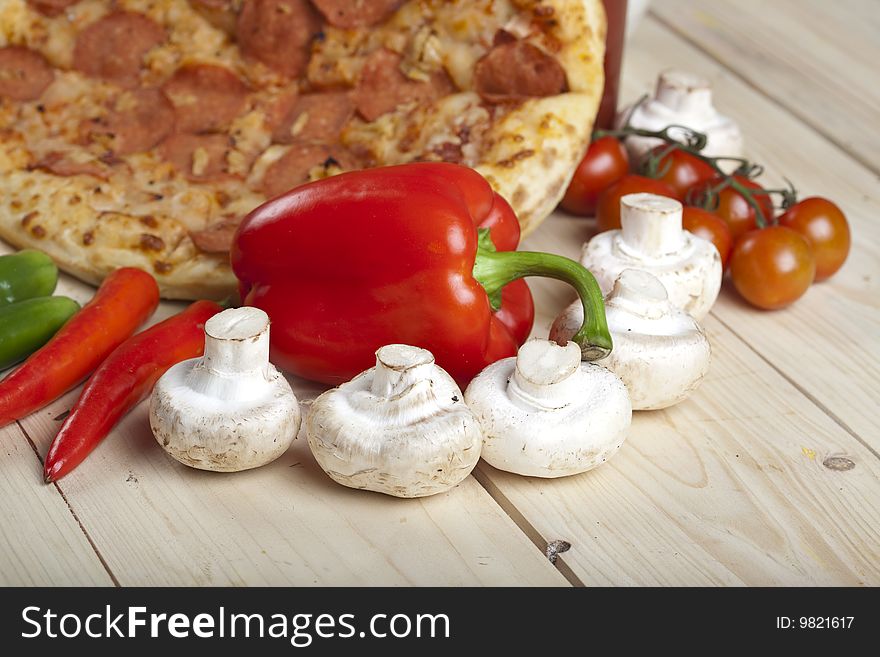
<point>768,475</point>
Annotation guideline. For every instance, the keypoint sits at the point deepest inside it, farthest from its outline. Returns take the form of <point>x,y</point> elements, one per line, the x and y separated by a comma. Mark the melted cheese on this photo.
<point>146,195</point>
<point>148,186</point>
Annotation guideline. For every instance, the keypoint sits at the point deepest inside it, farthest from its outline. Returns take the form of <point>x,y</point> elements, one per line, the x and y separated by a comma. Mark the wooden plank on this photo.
<point>157,522</point>
<point>41,543</point>
<point>817,59</point>
<point>727,488</point>
<point>826,343</point>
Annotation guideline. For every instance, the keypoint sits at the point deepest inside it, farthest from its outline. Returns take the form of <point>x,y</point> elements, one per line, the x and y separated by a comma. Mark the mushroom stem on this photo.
<point>650,225</point>
<point>236,361</point>
<point>639,293</point>
<point>495,269</point>
<point>237,344</point>
<point>684,93</point>
<point>544,374</point>
<point>398,368</point>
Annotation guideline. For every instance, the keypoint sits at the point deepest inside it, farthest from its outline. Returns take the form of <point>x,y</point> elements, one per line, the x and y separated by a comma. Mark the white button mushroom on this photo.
<point>651,238</point>
<point>660,352</point>
<point>547,414</point>
<point>400,428</point>
<point>683,99</point>
<point>231,409</point>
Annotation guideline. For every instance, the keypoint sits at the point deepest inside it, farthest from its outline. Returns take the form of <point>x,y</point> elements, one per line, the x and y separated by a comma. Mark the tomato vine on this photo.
<point>693,142</point>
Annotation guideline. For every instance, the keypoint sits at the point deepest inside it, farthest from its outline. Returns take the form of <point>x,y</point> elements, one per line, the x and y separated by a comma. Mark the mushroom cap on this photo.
<point>659,375</point>
<point>681,98</point>
<point>660,352</point>
<point>418,441</point>
<point>224,434</point>
<point>537,440</point>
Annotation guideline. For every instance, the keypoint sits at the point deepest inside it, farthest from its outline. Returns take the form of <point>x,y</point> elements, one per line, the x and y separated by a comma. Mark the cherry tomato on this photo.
<point>772,267</point>
<point>608,211</point>
<point>825,228</point>
<point>733,207</point>
<point>681,170</point>
<point>703,223</point>
<point>605,163</point>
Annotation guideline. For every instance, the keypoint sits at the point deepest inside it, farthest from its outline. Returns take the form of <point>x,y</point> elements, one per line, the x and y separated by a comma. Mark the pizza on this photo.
<point>140,132</point>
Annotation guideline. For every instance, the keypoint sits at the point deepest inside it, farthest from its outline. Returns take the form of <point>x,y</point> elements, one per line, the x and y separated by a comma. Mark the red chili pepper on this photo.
<point>125,300</point>
<point>347,264</point>
<point>123,381</point>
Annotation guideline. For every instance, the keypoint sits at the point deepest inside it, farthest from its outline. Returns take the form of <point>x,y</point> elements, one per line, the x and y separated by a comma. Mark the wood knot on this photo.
<point>839,463</point>
<point>555,548</point>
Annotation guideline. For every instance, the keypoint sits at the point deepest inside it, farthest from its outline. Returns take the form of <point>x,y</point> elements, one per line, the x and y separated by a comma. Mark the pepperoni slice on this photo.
<point>316,117</point>
<point>278,33</point>
<point>215,239</point>
<point>200,158</point>
<point>137,121</point>
<point>24,74</point>
<point>206,97</point>
<point>62,165</point>
<point>294,167</point>
<point>51,7</point>
<point>276,111</point>
<point>382,86</point>
<point>113,47</point>
<point>349,14</point>
<point>513,71</point>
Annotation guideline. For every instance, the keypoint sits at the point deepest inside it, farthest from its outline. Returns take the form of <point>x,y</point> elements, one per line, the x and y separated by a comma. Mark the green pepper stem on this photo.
<point>495,269</point>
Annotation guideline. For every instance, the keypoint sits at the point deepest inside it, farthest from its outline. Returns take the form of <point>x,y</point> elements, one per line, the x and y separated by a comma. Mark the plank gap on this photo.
<point>815,401</point>
<point>525,526</point>
<point>82,528</point>
<point>802,118</point>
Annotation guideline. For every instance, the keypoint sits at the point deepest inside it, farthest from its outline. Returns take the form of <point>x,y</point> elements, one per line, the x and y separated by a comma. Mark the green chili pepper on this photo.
<point>27,325</point>
<point>25,275</point>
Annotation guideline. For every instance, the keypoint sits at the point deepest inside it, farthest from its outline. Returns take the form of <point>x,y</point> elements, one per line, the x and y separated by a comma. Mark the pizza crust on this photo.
<point>536,148</point>
<point>60,216</point>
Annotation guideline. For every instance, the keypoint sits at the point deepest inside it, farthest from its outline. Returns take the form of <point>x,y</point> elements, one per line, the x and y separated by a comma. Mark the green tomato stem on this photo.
<point>693,144</point>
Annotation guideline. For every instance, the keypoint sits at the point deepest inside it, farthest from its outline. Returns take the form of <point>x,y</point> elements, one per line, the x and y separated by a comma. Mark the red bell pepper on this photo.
<point>123,381</point>
<point>125,300</point>
<point>420,254</point>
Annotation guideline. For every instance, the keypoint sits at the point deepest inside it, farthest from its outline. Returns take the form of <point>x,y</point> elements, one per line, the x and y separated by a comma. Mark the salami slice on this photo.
<point>206,97</point>
<point>200,158</point>
<point>383,87</point>
<point>216,238</point>
<point>113,47</point>
<point>63,164</point>
<point>349,14</point>
<point>51,7</point>
<point>278,33</point>
<point>276,110</point>
<point>318,117</point>
<point>514,71</point>
<point>137,121</point>
<point>24,74</point>
<point>294,167</point>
